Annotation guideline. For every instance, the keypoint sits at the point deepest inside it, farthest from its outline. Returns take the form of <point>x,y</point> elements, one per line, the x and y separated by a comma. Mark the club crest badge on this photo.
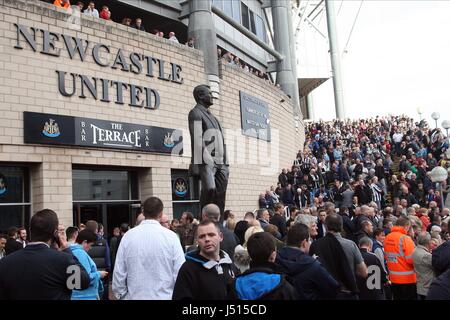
<point>3,187</point>
<point>168,141</point>
<point>180,187</point>
<point>51,129</point>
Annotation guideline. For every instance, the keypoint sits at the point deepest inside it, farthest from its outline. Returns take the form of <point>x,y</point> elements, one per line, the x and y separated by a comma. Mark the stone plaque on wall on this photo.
<point>254,117</point>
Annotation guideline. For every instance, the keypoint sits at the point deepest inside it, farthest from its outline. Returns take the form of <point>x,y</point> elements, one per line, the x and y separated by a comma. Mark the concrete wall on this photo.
<point>28,82</point>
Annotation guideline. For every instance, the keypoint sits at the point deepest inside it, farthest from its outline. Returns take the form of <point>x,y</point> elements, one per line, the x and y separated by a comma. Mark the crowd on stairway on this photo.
<point>377,174</point>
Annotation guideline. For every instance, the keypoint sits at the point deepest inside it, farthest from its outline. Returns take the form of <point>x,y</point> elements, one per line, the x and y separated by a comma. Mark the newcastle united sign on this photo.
<point>105,90</point>
<point>54,129</point>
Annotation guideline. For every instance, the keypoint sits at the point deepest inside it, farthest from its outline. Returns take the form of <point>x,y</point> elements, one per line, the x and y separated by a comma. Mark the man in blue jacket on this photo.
<point>85,239</point>
<point>263,281</point>
<point>311,280</point>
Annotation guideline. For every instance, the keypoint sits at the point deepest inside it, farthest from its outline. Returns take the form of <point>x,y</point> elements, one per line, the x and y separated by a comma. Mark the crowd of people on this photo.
<point>356,217</point>
<point>105,14</point>
<point>376,175</point>
<point>229,59</point>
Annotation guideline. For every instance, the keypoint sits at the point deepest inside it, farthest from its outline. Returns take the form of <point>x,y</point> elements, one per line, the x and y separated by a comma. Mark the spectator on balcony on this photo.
<point>237,62</point>
<point>161,34</point>
<point>172,37</point>
<point>190,43</point>
<point>91,11</point>
<point>138,24</point>
<point>126,21</point>
<point>105,13</point>
<point>64,4</point>
<point>78,7</point>
<point>228,58</point>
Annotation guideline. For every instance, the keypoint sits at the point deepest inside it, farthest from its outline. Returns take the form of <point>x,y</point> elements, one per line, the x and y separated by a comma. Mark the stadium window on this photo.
<point>237,10</point>
<point>252,22</point>
<point>218,4</point>
<point>260,28</point>
<point>245,17</point>
<point>15,202</point>
<point>228,8</point>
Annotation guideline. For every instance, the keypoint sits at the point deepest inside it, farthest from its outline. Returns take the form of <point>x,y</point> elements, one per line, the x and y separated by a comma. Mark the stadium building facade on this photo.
<point>94,113</point>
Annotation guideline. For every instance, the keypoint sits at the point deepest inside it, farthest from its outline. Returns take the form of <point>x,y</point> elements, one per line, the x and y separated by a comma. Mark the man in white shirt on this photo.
<point>148,259</point>
<point>172,37</point>
<point>91,11</point>
<point>397,138</point>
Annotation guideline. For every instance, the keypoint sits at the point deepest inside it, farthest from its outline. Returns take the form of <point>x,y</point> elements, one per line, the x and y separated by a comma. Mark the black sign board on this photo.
<point>254,117</point>
<point>45,128</point>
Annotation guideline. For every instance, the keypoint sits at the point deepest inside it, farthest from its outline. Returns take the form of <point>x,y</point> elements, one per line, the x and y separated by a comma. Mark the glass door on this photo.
<point>116,214</point>
<point>110,215</point>
<point>105,195</point>
<point>84,212</point>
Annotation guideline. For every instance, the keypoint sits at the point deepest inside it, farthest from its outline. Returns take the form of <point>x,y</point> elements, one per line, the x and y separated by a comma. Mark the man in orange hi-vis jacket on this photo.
<point>398,248</point>
<point>65,4</point>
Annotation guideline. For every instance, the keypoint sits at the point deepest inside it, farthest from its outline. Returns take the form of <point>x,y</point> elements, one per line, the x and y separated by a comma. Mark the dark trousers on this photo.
<point>388,292</point>
<point>398,150</point>
<point>404,291</point>
<point>421,297</point>
<point>105,295</point>
<point>214,180</point>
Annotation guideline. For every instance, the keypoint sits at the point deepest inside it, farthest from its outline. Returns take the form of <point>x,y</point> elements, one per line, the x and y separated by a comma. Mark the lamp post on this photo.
<point>435,116</point>
<point>439,175</point>
<point>446,125</point>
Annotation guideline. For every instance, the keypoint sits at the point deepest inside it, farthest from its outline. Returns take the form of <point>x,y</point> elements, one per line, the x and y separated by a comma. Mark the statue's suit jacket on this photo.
<point>208,121</point>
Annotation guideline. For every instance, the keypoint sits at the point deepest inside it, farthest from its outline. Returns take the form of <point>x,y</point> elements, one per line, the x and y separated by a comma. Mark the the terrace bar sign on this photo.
<point>106,57</point>
<point>254,117</point>
<point>54,129</point>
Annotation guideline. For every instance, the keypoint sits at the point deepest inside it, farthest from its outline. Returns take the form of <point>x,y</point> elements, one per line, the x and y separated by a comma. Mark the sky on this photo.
<point>398,60</point>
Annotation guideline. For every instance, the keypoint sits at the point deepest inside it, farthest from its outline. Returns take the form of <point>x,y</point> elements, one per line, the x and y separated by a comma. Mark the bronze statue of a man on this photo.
<point>209,156</point>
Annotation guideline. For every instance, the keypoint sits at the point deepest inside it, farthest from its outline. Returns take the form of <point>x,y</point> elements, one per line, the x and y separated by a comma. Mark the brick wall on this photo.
<point>28,82</point>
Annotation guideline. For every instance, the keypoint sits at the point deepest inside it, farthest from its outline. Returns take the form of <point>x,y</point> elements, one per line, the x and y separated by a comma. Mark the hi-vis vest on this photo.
<point>398,250</point>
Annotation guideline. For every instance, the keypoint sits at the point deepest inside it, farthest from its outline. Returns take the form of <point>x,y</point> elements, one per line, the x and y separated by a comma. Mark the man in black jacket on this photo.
<point>283,178</point>
<point>279,220</point>
<point>208,272</point>
<point>262,281</point>
<point>440,287</point>
<point>441,258</point>
<point>243,225</point>
<point>12,244</point>
<point>377,279</point>
<point>38,272</point>
<point>138,24</point>
<point>310,279</point>
<point>405,194</point>
<point>363,192</point>
<point>366,231</point>
<point>100,254</point>
<point>340,257</point>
